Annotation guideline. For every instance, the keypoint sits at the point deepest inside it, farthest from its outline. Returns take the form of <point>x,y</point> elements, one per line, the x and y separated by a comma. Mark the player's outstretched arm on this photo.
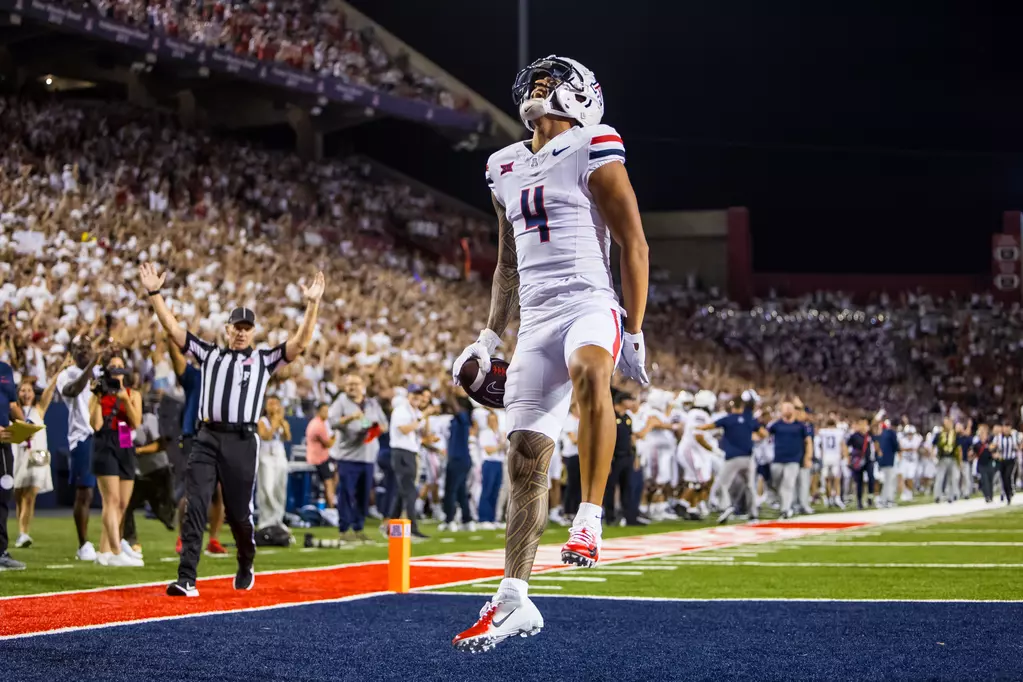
<point>616,201</point>
<point>504,293</point>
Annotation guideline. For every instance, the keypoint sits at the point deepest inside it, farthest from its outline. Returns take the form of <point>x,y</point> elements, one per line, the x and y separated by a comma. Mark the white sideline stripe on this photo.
<point>814,564</point>
<point>683,559</point>
<point>200,581</point>
<point>935,543</point>
<point>59,566</point>
<point>169,559</point>
<point>102,626</point>
<point>971,531</point>
<point>567,578</point>
<point>746,600</point>
<point>612,571</point>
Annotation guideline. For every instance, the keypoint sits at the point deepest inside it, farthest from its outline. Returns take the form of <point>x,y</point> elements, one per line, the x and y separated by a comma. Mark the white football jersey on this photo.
<point>694,420</point>
<point>656,437</point>
<point>562,243</point>
<point>909,445</point>
<point>830,440</point>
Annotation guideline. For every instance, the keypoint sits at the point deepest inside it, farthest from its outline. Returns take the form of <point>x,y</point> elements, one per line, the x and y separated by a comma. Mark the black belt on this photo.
<point>227,427</point>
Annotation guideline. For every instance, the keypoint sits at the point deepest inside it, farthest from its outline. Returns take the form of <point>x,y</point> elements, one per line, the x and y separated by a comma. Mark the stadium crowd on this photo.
<point>88,191</point>
<point>305,35</point>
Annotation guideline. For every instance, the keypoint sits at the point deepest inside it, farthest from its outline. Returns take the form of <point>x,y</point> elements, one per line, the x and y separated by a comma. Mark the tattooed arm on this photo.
<point>504,293</point>
<point>504,298</point>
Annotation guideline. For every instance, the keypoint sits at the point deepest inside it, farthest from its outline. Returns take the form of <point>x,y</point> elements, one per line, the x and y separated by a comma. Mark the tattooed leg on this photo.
<point>529,455</point>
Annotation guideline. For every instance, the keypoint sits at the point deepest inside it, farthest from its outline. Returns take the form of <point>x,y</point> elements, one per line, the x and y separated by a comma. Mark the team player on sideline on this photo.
<point>834,453</point>
<point>560,200</point>
<point>694,453</point>
<point>909,450</point>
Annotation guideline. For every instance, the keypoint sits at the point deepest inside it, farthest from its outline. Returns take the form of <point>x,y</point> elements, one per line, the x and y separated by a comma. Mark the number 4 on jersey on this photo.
<point>534,212</point>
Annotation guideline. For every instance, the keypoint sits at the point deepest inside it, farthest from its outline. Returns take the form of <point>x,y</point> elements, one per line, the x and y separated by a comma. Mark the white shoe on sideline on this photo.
<point>469,527</point>
<point>127,549</point>
<point>498,621</point>
<point>487,525</point>
<point>103,558</point>
<point>86,552</point>
<point>124,560</point>
<point>23,541</point>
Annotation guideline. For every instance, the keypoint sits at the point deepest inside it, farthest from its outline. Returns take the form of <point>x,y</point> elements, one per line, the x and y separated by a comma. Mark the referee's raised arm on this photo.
<point>152,281</point>
<point>300,339</point>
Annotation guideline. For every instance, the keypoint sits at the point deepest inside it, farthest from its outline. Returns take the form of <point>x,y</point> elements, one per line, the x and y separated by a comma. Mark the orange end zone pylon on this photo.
<point>399,534</point>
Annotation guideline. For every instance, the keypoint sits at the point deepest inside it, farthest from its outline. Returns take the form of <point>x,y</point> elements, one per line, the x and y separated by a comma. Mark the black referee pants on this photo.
<point>6,474</point>
<point>1007,469</point>
<point>620,476</point>
<point>229,458</point>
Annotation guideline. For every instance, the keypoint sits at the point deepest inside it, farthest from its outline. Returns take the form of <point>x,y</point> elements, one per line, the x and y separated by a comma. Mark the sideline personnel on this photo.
<point>234,381</point>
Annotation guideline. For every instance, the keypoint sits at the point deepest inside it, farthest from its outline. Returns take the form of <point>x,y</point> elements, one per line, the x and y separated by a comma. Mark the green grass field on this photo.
<point>903,561</point>
<point>51,564</point>
<point>941,558</point>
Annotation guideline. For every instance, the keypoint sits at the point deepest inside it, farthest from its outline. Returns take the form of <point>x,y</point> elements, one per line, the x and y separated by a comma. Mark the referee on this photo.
<point>1007,444</point>
<point>234,381</point>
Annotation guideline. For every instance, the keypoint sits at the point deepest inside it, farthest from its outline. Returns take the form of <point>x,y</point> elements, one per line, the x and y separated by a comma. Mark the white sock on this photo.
<point>589,515</point>
<point>514,588</point>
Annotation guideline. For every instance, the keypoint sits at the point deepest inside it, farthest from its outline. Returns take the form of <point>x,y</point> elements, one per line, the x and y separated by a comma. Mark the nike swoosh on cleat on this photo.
<point>498,624</point>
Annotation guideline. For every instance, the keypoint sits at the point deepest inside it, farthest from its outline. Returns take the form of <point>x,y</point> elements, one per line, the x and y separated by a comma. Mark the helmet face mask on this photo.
<point>572,92</point>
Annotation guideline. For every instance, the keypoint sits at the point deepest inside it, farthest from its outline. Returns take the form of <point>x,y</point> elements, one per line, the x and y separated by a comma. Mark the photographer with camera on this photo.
<point>360,421</point>
<point>114,411</point>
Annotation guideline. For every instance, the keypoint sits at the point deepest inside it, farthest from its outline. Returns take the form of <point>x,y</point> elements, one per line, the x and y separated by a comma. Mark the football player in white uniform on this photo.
<point>657,452</point>
<point>909,450</point>
<point>560,200</point>
<point>695,451</point>
<point>834,452</point>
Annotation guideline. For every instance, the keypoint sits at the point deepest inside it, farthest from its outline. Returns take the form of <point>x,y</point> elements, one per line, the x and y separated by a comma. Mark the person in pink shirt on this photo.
<point>318,442</point>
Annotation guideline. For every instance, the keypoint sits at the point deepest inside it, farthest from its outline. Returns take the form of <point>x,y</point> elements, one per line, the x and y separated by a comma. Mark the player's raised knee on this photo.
<point>590,368</point>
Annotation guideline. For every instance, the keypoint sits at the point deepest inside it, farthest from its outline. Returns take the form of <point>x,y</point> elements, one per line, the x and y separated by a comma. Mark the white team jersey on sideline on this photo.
<point>909,446</point>
<point>694,420</point>
<point>562,243</point>
<point>829,442</point>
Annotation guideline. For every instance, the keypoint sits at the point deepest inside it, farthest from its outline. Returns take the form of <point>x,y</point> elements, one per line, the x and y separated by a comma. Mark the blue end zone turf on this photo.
<point>407,638</point>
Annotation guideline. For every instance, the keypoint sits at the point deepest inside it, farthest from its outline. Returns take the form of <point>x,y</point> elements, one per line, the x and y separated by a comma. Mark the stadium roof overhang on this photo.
<point>40,39</point>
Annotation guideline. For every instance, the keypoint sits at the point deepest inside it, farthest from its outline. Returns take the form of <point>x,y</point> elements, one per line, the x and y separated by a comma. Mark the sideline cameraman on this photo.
<point>114,411</point>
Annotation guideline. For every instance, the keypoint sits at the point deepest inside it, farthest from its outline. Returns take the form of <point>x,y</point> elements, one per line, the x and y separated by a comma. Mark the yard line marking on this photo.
<point>305,550</point>
<point>608,571</point>
<point>637,566</point>
<point>567,578</point>
<point>59,566</point>
<point>815,600</point>
<point>934,543</point>
<point>531,587</point>
<point>971,531</point>
<point>166,560</point>
<point>681,558</point>
<point>828,564</point>
<point>447,539</point>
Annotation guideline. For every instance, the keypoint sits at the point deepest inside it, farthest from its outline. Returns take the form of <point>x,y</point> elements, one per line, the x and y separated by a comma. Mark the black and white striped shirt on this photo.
<point>233,381</point>
<point>1008,444</point>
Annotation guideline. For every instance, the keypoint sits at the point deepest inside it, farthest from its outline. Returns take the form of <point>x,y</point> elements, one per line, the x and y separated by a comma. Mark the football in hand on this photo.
<point>486,389</point>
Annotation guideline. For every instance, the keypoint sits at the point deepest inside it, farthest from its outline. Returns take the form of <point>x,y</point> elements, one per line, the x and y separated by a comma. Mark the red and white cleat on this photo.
<point>498,621</point>
<point>582,548</point>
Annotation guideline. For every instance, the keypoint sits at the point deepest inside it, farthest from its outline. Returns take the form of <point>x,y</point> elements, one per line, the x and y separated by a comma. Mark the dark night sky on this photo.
<point>863,136</point>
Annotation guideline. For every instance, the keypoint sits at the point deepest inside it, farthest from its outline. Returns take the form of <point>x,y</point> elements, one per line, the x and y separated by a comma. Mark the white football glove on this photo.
<point>484,347</point>
<point>633,363</point>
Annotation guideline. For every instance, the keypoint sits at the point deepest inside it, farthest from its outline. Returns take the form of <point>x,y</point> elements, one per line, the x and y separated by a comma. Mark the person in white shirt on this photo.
<point>406,427</point>
<point>492,443</point>
<point>73,387</point>
<point>32,458</point>
<point>272,472</point>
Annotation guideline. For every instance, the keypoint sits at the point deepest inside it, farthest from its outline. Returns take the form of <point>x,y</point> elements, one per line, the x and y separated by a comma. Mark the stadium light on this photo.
<point>49,80</point>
